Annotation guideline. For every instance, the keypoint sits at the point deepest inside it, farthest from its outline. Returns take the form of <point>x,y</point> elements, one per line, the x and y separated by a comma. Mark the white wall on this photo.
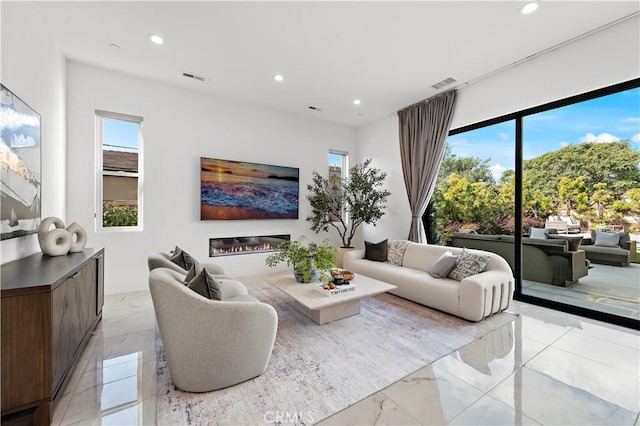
<point>179,127</point>
<point>600,60</point>
<point>33,69</point>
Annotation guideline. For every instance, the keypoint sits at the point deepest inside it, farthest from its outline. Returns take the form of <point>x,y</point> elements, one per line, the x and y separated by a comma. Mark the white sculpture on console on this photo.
<point>60,241</point>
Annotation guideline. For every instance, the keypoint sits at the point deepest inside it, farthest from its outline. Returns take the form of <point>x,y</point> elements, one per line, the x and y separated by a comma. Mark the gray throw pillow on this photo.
<point>538,233</point>
<point>395,251</point>
<point>183,259</point>
<point>376,252</point>
<point>193,271</point>
<point>574,242</point>
<point>607,239</point>
<point>468,264</point>
<point>444,265</point>
<point>205,285</point>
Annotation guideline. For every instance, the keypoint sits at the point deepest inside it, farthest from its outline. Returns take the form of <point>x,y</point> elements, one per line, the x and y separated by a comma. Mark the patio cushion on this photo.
<point>538,233</point>
<point>607,239</point>
<point>574,242</point>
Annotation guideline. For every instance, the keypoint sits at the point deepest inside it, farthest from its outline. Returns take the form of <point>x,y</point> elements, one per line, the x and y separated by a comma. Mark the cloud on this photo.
<point>635,138</point>
<point>497,170</point>
<point>459,142</point>
<point>503,136</point>
<point>631,120</point>
<point>601,138</point>
<point>563,144</point>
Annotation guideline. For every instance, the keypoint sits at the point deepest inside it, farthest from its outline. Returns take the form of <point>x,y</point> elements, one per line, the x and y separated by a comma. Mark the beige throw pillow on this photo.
<point>395,252</point>
<point>469,264</point>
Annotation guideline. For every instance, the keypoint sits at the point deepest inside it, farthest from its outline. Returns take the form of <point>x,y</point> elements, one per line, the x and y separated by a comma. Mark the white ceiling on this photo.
<point>387,54</point>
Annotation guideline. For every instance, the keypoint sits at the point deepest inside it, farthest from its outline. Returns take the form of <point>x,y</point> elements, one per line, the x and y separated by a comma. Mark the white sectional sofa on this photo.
<point>474,298</point>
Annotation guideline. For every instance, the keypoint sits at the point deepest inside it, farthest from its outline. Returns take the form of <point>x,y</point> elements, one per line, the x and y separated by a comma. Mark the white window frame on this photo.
<point>100,173</point>
<point>344,173</point>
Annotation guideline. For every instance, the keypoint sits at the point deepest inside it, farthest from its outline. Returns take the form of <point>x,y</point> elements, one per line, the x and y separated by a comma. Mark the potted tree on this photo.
<point>309,261</point>
<point>357,199</point>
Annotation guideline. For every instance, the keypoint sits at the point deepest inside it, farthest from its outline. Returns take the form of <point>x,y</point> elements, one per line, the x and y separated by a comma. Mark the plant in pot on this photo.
<point>310,261</point>
<point>357,199</point>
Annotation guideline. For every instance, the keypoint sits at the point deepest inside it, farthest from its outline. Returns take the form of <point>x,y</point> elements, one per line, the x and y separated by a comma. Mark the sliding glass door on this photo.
<point>581,186</point>
<point>555,190</point>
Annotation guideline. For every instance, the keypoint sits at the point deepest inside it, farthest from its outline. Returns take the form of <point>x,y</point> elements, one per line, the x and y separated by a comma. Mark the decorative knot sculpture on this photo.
<point>60,240</point>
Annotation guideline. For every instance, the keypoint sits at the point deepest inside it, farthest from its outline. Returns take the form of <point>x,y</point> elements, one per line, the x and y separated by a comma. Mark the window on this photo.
<point>475,187</point>
<point>338,170</point>
<point>119,172</point>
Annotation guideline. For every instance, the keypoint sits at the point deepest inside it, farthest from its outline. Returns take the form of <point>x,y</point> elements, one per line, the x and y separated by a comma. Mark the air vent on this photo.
<point>193,76</point>
<point>314,108</point>
<point>443,83</point>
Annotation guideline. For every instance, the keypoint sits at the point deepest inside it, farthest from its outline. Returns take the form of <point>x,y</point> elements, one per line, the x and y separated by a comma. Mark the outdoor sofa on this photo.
<point>548,261</point>
<point>619,249</point>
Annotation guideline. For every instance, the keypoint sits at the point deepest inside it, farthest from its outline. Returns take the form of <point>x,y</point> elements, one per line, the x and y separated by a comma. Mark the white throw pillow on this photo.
<point>469,264</point>
<point>538,233</point>
<point>395,251</point>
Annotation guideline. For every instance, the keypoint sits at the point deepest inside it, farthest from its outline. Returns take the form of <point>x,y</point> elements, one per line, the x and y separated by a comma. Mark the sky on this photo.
<point>605,119</point>
<point>119,135</point>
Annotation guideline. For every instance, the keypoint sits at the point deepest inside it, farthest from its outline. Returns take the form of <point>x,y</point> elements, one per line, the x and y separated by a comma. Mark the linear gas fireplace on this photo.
<point>245,245</point>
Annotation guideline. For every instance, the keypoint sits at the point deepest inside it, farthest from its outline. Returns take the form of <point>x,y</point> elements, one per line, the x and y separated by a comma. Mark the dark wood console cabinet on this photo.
<point>50,307</point>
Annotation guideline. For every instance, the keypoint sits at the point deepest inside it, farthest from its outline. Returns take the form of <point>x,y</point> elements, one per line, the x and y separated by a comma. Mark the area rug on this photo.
<point>318,370</point>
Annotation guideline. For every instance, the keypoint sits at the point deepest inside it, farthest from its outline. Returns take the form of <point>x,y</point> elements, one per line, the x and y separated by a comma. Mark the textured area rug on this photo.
<point>318,370</point>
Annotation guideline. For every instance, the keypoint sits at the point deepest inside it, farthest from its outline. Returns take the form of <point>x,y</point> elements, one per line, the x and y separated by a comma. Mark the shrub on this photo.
<point>119,215</point>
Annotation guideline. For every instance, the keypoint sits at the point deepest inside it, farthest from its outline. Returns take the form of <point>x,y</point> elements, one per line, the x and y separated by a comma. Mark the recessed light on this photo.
<point>529,7</point>
<point>357,102</point>
<point>156,39</point>
<point>278,77</point>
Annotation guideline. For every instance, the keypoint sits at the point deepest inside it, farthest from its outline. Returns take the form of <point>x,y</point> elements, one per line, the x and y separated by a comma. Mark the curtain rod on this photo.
<point>528,58</point>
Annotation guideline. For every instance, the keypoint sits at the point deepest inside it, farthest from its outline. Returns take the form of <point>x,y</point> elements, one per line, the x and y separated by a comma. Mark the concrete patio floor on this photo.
<point>611,289</point>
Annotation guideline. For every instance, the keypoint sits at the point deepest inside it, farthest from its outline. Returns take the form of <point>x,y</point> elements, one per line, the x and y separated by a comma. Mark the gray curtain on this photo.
<point>424,128</point>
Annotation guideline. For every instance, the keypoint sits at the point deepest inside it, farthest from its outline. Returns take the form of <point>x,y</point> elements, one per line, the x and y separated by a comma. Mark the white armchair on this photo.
<point>211,344</point>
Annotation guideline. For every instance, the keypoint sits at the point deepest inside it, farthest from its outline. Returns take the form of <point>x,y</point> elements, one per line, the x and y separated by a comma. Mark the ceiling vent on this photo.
<point>311,107</point>
<point>193,76</point>
<point>443,83</point>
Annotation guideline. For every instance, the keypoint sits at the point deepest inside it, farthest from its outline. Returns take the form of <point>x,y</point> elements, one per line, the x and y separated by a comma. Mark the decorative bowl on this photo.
<point>347,275</point>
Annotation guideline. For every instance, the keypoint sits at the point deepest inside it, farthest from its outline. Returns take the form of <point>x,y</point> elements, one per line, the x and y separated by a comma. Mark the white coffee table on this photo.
<point>323,309</point>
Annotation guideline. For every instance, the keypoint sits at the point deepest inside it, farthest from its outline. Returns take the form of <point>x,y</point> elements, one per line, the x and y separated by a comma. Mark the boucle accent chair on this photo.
<point>211,344</point>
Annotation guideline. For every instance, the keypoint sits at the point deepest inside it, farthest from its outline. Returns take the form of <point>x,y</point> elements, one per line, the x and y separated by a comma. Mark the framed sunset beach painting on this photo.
<point>237,190</point>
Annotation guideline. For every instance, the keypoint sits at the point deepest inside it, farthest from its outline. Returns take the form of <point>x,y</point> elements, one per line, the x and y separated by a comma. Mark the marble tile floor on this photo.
<point>546,367</point>
<point>611,289</point>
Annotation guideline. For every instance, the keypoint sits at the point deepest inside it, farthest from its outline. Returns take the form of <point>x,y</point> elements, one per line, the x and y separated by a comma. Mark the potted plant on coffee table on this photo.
<point>358,199</point>
<point>309,260</point>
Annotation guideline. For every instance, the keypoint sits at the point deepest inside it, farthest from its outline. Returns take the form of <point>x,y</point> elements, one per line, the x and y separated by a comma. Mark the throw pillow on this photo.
<point>444,265</point>
<point>376,252</point>
<point>395,251</point>
<point>607,239</point>
<point>468,264</point>
<point>538,233</point>
<point>205,285</point>
<point>574,242</point>
<point>193,271</point>
<point>183,259</point>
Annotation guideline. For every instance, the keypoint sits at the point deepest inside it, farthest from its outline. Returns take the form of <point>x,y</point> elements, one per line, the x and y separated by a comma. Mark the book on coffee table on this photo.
<point>340,289</point>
